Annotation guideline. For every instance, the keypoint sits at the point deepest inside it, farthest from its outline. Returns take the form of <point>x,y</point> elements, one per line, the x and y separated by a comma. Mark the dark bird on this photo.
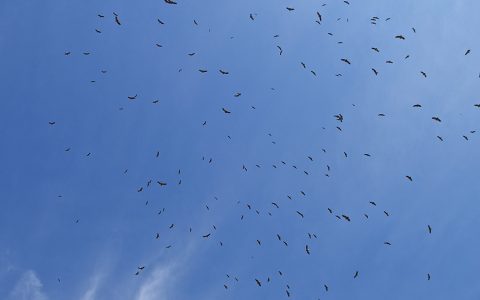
<point>117,20</point>
<point>223,72</point>
<point>237,95</point>
<point>440,138</point>
<point>290,8</point>
<point>428,276</point>
<point>157,236</point>
<point>345,60</point>
<point>203,71</point>
<point>373,203</point>
<point>226,111</point>
<point>424,74</point>
<point>346,218</point>
<point>307,249</point>
<point>300,214</point>
<point>280,48</point>
<point>429,228</point>
<point>400,37</point>
<point>375,71</point>
<point>101,16</point>
<point>387,243</point>
<point>356,274</point>
<point>417,105</point>
<point>251,17</point>
<point>52,122</point>
<point>386,213</point>
<point>436,119</point>
<point>468,51</point>
<point>258,282</point>
<point>206,236</point>
<point>160,22</point>
<point>132,97</point>
<point>161,183</point>
<point>375,49</point>
<point>170,2</point>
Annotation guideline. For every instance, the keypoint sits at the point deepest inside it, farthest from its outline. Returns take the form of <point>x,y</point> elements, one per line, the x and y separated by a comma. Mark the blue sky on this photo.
<point>46,254</point>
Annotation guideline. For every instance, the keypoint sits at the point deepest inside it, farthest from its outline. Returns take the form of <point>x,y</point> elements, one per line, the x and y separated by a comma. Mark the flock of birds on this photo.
<point>319,18</point>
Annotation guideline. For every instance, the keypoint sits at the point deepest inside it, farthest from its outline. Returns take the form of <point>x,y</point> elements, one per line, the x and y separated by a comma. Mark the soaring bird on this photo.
<point>346,217</point>
<point>319,16</point>
<point>467,52</point>
<point>356,274</point>
<point>300,214</point>
<point>307,249</point>
<point>409,178</point>
<point>375,49</point>
<point>51,123</point>
<point>170,2</point>
<point>132,97</point>
<point>400,37</point>
<point>258,282</point>
<point>290,8</point>
<point>417,105</point>
<point>226,111</point>
<point>206,235</point>
<point>280,48</point>
<point>202,70</point>
<point>375,71</point>
<point>436,119</point>
<point>345,60</point>
<point>223,72</point>
<point>117,20</point>
<point>429,228</point>
<point>424,74</point>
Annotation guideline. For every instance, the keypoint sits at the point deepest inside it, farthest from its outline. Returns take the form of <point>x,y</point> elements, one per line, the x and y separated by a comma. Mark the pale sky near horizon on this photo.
<point>78,215</point>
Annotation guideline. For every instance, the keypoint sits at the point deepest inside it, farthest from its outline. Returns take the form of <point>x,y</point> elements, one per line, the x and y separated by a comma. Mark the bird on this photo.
<point>375,71</point>
<point>429,228</point>
<point>436,119</point>
<point>417,105</point>
<point>258,282</point>
<point>467,52</point>
<point>345,60</point>
<point>202,70</point>
<point>424,74</point>
<point>206,235</point>
<point>400,37</point>
<point>290,8</point>
<point>280,48</point>
<point>117,20</point>
<point>307,249</point>
<point>170,2</point>
<point>356,274</point>
<point>132,97</point>
<point>52,122</point>
<point>223,72</point>
<point>300,214</point>
<point>375,49</point>
<point>226,111</point>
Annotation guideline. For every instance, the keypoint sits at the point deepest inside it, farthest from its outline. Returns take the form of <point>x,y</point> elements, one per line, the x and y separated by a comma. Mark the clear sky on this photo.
<point>79,217</point>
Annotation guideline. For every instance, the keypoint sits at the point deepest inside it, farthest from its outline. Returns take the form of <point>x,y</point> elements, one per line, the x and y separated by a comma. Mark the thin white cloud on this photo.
<point>28,287</point>
<point>157,285</point>
<point>91,292</point>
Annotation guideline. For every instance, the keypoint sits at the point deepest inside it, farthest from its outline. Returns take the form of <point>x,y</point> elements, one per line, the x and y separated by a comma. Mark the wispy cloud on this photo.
<point>28,287</point>
<point>157,285</point>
